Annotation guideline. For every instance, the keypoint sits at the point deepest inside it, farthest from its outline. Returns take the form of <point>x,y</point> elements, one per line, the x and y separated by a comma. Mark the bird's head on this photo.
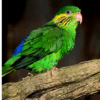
<point>68,17</point>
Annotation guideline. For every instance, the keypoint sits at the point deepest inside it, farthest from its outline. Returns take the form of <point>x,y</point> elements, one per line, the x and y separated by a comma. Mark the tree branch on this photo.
<point>66,83</point>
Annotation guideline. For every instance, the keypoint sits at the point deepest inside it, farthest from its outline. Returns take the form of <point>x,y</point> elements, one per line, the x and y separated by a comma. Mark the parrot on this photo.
<point>45,46</point>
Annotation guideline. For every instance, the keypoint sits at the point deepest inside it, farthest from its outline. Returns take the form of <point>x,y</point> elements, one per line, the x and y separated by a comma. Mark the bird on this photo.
<point>45,46</point>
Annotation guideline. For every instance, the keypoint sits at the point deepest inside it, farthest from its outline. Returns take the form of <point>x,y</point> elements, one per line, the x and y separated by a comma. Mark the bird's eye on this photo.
<point>68,12</point>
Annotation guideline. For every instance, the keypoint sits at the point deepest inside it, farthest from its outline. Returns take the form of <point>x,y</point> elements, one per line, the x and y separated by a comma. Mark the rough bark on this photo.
<point>67,83</point>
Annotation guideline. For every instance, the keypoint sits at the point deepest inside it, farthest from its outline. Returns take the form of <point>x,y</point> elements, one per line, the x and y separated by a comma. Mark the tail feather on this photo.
<point>6,70</point>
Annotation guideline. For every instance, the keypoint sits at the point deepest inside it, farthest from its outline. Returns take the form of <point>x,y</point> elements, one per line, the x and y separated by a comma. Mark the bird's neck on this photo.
<point>70,27</point>
<point>70,30</point>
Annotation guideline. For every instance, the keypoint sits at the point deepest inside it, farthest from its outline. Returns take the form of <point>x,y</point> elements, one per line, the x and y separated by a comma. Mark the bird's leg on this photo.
<point>54,68</point>
<point>51,70</point>
<point>28,75</point>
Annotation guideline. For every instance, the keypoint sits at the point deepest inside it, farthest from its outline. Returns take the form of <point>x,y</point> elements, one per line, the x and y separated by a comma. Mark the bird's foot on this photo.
<point>54,68</point>
<point>28,75</point>
<point>51,71</point>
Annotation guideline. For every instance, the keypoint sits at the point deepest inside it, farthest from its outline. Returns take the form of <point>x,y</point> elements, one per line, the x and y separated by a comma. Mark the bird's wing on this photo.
<point>43,41</point>
<point>40,42</point>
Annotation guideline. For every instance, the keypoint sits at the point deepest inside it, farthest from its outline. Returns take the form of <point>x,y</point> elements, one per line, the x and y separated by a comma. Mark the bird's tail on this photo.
<point>6,70</point>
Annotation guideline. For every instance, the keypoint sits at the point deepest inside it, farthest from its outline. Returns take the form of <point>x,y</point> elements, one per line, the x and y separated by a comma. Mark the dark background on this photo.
<point>20,17</point>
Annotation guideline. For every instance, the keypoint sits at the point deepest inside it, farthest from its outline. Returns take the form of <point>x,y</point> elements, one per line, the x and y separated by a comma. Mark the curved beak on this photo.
<point>79,17</point>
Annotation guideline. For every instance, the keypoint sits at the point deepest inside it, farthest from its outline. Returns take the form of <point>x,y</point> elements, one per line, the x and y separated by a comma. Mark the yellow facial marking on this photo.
<point>62,19</point>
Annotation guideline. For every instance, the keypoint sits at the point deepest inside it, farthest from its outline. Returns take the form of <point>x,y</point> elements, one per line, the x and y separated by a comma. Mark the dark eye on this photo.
<point>68,12</point>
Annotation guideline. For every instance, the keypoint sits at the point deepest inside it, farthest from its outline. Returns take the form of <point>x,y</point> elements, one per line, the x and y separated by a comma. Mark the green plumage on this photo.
<point>45,46</point>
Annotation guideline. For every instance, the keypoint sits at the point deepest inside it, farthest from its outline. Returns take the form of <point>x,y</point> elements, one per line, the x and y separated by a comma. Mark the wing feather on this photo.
<point>41,42</point>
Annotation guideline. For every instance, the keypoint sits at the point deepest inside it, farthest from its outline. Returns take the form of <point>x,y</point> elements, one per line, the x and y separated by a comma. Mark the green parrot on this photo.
<point>44,47</point>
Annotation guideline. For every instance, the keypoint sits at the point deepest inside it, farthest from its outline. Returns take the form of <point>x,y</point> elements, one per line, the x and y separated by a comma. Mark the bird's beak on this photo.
<point>79,17</point>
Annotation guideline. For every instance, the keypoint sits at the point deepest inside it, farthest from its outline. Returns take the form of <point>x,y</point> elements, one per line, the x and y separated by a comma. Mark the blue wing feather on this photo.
<point>20,47</point>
